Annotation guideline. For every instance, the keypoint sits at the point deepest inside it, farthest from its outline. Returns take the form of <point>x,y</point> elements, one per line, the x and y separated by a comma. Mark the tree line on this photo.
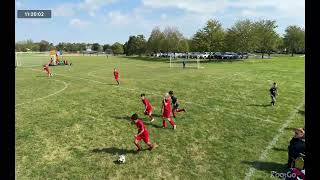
<point>243,36</point>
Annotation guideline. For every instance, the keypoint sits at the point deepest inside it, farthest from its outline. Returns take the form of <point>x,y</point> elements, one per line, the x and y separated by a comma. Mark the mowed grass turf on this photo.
<point>75,124</point>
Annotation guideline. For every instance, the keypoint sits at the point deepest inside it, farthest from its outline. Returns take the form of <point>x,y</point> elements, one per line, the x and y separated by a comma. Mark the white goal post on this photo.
<point>188,63</point>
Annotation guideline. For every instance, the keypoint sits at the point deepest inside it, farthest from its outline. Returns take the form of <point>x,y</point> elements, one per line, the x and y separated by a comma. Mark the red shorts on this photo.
<point>148,111</point>
<point>116,77</point>
<point>144,137</point>
<point>166,114</point>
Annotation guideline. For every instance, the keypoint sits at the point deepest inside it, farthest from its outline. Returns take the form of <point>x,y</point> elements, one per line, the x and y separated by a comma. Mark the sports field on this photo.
<point>75,124</point>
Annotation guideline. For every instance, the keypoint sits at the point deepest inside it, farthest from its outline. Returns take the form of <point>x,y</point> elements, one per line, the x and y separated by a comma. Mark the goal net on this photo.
<point>31,59</point>
<point>184,63</point>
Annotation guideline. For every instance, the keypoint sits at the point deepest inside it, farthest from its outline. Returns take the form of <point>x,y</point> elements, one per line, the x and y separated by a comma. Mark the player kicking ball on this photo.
<point>47,70</point>
<point>166,110</point>
<point>148,107</point>
<point>116,75</point>
<point>142,133</point>
<point>175,104</point>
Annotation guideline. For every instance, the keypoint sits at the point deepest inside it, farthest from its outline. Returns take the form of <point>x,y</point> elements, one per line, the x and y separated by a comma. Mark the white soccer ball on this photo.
<point>122,158</point>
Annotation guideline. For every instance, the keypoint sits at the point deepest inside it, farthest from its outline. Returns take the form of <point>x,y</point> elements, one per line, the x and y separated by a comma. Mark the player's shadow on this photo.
<point>122,117</point>
<point>279,149</point>
<point>301,112</point>
<point>289,128</point>
<point>259,105</point>
<point>267,166</point>
<point>153,125</point>
<point>157,115</point>
<point>114,151</point>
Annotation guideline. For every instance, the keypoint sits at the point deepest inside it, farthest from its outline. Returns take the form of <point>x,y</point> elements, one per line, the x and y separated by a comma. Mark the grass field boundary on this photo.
<point>57,92</point>
<point>274,141</point>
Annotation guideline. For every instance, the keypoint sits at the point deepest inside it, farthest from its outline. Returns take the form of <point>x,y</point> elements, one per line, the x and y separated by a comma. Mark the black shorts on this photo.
<point>175,106</point>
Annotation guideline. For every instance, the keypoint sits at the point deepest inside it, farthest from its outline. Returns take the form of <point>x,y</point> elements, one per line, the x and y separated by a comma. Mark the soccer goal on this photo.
<point>184,63</point>
<point>31,59</point>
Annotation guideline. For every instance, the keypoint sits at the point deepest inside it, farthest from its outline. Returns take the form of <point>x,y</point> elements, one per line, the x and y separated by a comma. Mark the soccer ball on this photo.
<point>122,158</point>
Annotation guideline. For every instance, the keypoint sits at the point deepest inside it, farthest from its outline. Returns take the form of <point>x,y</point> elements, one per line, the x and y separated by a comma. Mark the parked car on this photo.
<point>204,55</point>
<point>218,55</point>
<point>243,55</point>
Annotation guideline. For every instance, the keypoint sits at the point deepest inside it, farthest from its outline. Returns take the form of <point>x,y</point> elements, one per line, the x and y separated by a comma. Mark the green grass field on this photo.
<point>75,124</point>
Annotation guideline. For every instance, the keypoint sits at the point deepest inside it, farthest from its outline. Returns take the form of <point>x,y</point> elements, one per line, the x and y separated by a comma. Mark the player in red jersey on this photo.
<point>116,75</point>
<point>142,133</point>
<point>148,108</point>
<point>166,110</point>
<point>47,70</point>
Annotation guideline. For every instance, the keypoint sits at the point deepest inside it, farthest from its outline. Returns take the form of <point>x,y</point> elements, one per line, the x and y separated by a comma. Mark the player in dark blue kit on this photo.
<point>273,93</point>
<point>175,104</point>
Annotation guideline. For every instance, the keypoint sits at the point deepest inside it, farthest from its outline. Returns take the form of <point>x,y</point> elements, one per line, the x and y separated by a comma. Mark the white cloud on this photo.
<point>118,19</point>
<point>78,23</point>
<point>201,6</point>
<point>92,6</point>
<point>282,8</point>
<point>67,9</point>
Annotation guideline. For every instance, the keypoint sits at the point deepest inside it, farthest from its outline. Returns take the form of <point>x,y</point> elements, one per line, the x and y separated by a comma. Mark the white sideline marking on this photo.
<point>273,142</point>
<point>65,87</point>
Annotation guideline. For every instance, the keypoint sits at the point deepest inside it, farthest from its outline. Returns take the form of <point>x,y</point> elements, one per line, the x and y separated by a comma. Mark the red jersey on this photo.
<point>146,103</point>
<point>116,74</point>
<point>168,106</point>
<point>141,126</point>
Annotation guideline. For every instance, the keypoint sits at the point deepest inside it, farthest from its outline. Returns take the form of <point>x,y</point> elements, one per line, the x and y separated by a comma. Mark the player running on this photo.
<point>273,93</point>
<point>116,75</point>
<point>166,110</point>
<point>142,133</point>
<point>47,70</point>
<point>175,104</point>
<point>148,108</point>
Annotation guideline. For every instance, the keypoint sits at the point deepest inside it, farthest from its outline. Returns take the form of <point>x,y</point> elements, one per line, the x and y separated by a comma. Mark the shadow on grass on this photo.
<point>157,115</point>
<point>301,112</point>
<point>114,151</point>
<point>259,105</point>
<point>153,125</point>
<point>268,167</point>
<point>279,149</point>
<point>289,128</point>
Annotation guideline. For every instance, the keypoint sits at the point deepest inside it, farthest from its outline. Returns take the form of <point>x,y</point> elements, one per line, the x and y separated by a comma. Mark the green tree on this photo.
<point>264,36</point>
<point>294,39</point>
<point>136,45</point>
<point>95,47</point>
<point>155,41</point>
<point>105,47</point>
<point>172,38</point>
<point>44,45</point>
<point>239,37</point>
<point>183,45</point>
<point>209,38</point>
<point>117,48</point>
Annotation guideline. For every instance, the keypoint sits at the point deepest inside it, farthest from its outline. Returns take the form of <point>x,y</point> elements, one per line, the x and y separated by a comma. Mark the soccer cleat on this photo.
<point>150,148</point>
<point>138,150</point>
<point>152,120</point>
<point>174,127</point>
<point>184,110</point>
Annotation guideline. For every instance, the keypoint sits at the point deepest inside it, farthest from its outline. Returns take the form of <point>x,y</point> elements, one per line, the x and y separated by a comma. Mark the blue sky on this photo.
<point>110,21</point>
